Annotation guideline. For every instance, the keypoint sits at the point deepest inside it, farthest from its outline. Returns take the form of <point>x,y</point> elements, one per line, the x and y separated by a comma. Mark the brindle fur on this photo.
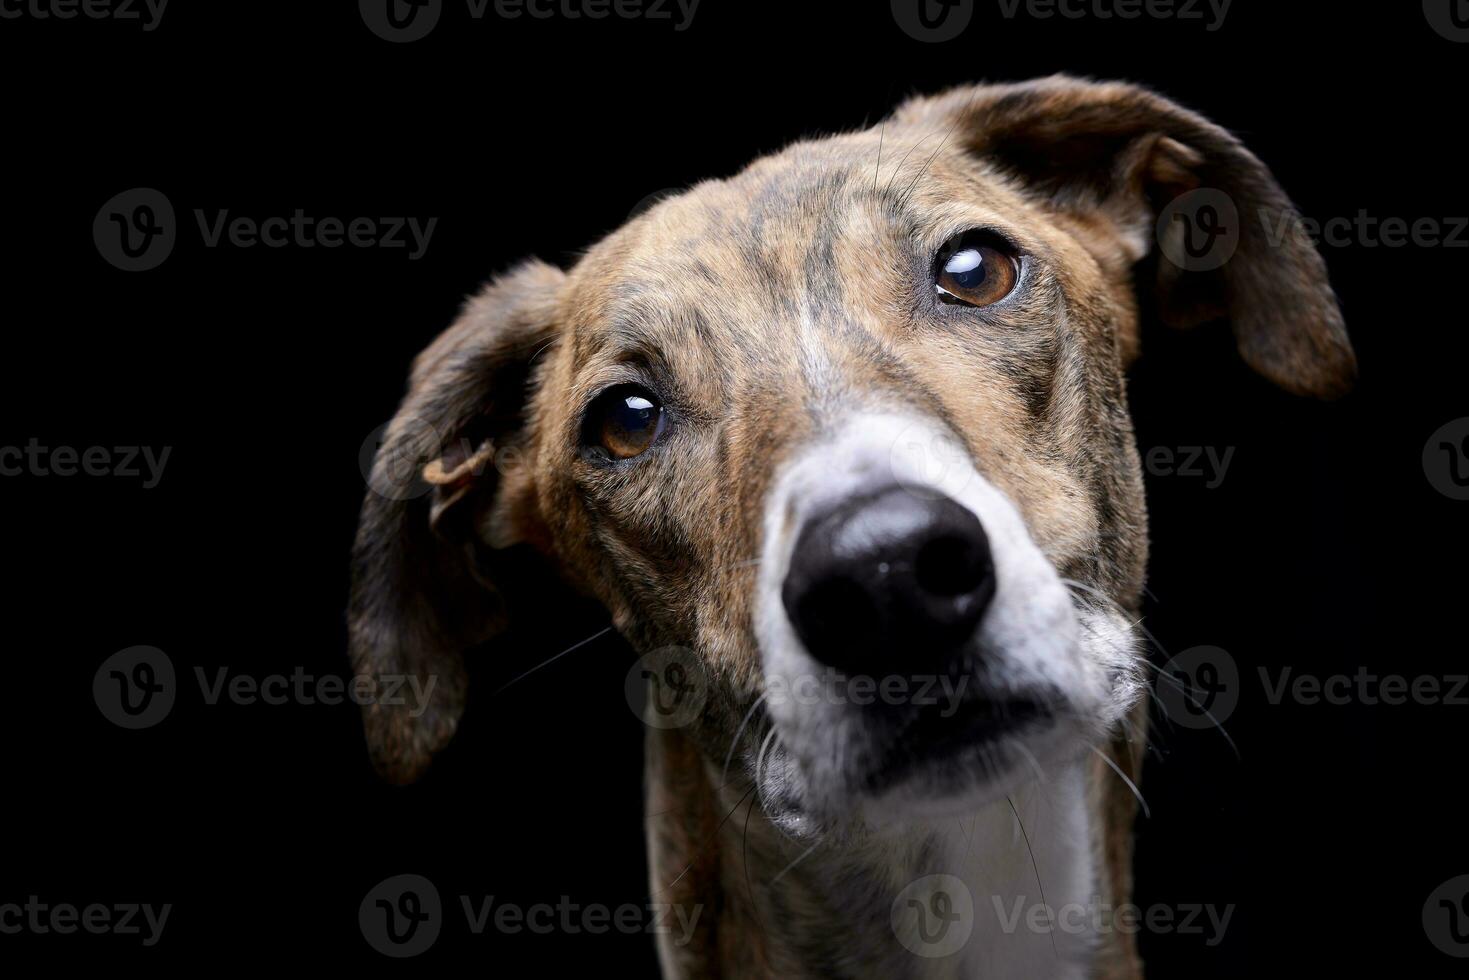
<point>716,297</point>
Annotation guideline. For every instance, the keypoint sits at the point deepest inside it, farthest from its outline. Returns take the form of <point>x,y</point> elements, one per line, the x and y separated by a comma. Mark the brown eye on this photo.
<point>624,421</point>
<point>974,269</point>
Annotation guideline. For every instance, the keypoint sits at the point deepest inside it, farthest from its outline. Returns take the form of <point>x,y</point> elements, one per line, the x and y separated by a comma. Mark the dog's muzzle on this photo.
<point>918,647</point>
<point>889,582</point>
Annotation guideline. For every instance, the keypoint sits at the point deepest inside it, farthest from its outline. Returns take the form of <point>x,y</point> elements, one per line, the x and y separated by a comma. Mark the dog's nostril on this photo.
<point>836,614</point>
<point>951,566</point>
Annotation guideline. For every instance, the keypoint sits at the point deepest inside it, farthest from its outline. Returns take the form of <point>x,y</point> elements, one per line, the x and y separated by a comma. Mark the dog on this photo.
<point>845,430</point>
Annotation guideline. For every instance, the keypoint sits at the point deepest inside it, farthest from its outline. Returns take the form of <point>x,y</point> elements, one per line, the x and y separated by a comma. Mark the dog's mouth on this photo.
<point>935,752</point>
<point>931,738</point>
<point>886,761</point>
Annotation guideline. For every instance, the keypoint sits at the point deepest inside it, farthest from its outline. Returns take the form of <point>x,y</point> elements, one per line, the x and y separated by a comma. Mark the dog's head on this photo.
<point>851,426</point>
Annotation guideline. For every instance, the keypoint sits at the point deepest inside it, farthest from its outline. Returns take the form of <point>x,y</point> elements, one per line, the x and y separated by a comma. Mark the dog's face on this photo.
<point>851,428</point>
<point>829,425</point>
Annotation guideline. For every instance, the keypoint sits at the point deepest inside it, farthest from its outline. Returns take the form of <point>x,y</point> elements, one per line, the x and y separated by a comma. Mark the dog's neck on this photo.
<point>770,906</point>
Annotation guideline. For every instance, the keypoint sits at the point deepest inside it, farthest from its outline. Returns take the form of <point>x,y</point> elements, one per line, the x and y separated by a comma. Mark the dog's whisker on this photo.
<point>803,855</point>
<point>1111,603</point>
<point>546,663</point>
<point>745,853</point>
<point>968,836</point>
<point>1188,693</point>
<point>1159,702</point>
<point>734,743</point>
<point>1091,590</point>
<point>1134,626</point>
<point>1036,868</point>
<point>706,844</point>
<point>899,168</point>
<point>913,186</point>
<point>1123,776</point>
<point>760,759</point>
<point>1135,735</point>
<point>881,138</point>
<point>953,127</point>
<point>721,789</point>
<point>1030,757</point>
<point>1152,640</point>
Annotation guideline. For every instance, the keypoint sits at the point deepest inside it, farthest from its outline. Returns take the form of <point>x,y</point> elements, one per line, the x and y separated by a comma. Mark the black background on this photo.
<point>1325,548</point>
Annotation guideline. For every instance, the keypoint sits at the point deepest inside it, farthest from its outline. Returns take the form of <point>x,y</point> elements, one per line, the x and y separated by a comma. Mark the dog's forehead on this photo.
<point>827,223</point>
<point>763,217</point>
<point>811,191</point>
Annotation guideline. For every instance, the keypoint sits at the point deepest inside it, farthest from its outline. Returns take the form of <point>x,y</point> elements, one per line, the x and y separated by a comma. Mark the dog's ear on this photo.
<point>448,489</point>
<point>1121,153</point>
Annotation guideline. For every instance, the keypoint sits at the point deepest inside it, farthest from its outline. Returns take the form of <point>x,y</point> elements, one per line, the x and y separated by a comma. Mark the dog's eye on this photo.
<point>975,269</point>
<point>624,421</point>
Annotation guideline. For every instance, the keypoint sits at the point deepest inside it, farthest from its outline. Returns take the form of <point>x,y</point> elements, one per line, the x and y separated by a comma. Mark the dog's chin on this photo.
<point>944,768</point>
<point>960,779</point>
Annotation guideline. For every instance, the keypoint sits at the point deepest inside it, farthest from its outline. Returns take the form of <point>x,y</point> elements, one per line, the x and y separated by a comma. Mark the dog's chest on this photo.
<point>1015,904</point>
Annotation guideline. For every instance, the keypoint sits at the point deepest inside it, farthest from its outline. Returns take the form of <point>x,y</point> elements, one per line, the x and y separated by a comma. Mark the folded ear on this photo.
<point>1169,180</point>
<point>445,490</point>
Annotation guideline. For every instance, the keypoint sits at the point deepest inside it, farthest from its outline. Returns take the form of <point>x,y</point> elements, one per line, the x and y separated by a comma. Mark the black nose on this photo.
<point>889,582</point>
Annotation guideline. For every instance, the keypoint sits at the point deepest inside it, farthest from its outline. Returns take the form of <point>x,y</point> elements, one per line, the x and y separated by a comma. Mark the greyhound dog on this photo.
<point>848,433</point>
